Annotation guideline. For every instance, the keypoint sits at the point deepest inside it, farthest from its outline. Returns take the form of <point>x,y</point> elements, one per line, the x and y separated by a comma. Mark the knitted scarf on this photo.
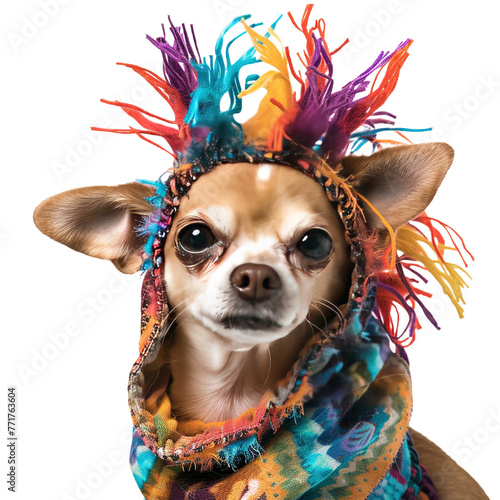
<point>337,425</point>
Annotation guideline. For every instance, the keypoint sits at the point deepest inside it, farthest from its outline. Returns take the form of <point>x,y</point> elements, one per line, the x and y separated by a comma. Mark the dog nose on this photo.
<point>255,282</point>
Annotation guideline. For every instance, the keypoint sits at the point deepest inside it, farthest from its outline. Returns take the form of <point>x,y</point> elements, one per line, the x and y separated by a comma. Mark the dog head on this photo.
<point>253,248</point>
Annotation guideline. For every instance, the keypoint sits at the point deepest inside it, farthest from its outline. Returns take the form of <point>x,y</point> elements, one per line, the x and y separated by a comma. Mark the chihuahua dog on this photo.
<point>255,264</point>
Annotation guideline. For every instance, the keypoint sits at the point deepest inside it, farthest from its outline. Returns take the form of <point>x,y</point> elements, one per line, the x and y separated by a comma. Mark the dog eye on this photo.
<point>316,244</point>
<point>196,238</point>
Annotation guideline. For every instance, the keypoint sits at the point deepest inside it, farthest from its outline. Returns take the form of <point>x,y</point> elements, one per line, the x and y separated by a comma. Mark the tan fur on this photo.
<point>98,221</point>
<point>401,181</point>
<point>261,210</point>
<point>216,381</point>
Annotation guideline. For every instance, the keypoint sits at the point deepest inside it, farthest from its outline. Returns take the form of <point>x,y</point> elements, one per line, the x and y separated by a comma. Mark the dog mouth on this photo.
<point>248,322</point>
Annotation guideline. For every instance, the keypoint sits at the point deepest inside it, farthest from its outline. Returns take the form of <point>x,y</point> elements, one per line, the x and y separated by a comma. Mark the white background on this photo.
<point>73,420</point>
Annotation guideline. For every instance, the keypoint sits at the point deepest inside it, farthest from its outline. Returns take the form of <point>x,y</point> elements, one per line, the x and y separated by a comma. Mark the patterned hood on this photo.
<point>336,425</point>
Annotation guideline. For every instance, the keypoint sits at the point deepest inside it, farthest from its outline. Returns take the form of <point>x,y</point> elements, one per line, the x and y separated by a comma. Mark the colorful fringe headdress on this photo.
<point>310,129</point>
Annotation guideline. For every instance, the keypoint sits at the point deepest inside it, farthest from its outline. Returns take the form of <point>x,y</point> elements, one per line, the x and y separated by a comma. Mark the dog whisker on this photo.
<point>313,326</point>
<point>313,304</point>
<point>332,307</point>
<point>269,368</point>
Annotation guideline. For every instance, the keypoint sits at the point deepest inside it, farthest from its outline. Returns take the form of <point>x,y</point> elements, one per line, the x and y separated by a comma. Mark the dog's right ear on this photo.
<point>399,182</point>
<point>99,221</point>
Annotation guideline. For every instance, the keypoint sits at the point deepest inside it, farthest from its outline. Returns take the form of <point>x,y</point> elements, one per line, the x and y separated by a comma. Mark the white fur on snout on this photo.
<point>218,298</point>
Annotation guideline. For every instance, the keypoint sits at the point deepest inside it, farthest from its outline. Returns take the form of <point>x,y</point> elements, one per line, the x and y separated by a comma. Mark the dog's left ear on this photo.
<point>99,221</point>
<point>399,182</point>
